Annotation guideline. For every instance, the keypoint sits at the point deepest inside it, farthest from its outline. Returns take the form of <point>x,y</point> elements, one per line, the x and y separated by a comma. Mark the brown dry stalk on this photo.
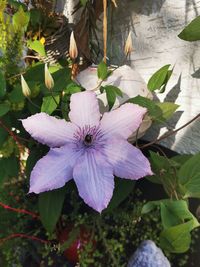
<point>105,22</point>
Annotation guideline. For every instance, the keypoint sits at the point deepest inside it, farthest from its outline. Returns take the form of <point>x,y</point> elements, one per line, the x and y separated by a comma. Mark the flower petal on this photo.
<point>53,170</point>
<point>122,121</point>
<point>94,179</point>
<point>84,109</point>
<point>127,160</point>
<point>48,130</point>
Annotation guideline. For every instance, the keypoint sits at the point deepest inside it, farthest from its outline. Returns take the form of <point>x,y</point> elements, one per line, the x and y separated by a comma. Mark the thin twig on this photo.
<point>33,215</point>
<point>170,133</point>
<point>20,235</point>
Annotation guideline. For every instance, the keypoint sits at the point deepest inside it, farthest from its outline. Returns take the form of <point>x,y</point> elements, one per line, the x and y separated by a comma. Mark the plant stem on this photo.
<point>20,235</point>
<point>33,215</point>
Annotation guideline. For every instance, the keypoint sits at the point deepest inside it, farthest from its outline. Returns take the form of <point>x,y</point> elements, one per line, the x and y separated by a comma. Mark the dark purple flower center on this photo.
<point>88,139</point>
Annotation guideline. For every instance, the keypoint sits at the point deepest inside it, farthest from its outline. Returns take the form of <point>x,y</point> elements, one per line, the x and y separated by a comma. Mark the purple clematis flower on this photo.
<point>87,149</point>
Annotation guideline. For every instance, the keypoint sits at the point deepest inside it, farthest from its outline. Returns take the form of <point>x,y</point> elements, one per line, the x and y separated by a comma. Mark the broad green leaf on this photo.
<point>21,19</point>
<point>2,85</point>
<point>11,166</point>
<point>102,71</point>
<point>192,31</point>
<point>189,176</point>
<point>35,17</point>
<point>3,136</point>
<point>168,109</point>
<point>73,88</point>
<point>50,207</point>
<point>114,89</point>
<point>177,222</point>
<point>158,78</point>
<point>122,190</point>
<point>34,155</point>
<point>181,159</point>
<point>37,46</point>
<point>177,239</point>
<point>169,74</point>
<point>16,95</point>
<point>154,111</point>
<point>111,94</point>
<point>4,108</point>
<point>174,212</point>
<point>49,104</point>
<point>35,73</point>
<point>83,2</point>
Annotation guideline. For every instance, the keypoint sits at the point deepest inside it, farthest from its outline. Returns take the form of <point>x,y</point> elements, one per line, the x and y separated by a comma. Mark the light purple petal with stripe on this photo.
<point>127,160</point>
<point>54,169</point>
<point>49,130</point>
<point>123,121</point>
<point>84,109</point>
<point>94,179</point>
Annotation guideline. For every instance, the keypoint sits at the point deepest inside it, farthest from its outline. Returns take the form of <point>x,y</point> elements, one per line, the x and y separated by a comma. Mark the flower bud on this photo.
<point>25,88</point>
<point>128,45</point>
<point>49,82</point>
<point>73,51</point>
<point>114,3</point>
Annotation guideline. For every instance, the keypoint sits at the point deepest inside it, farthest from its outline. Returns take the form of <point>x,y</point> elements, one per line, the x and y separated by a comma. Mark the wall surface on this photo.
<point>155,25</point>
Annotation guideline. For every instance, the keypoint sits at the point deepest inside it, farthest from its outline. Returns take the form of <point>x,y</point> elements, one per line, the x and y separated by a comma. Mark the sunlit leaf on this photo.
<point>192,31</point>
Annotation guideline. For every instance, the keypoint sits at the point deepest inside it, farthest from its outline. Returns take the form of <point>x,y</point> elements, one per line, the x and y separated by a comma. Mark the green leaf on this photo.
<point>73,88</point>
<point>37,46</point>
<point>2,85</point>
<point>153,110</point>
<point>11,166</point>
<point>49,104</point>
<point>35,73</point>
<point>122,190</point>
<point>3,136</point>
<point>158,78</point>
<point>174,212</point>
<point>189,177</point>
<point>83,2</point>
<point>111,94</point>
<point>21,19</point>
<point>16,95</point>
<point>177,222</point>
<point>177,239</point>
<point>114,89</point>
<point>102,71</point>
<point>50,207</point>
<point>35,17</point>
<point>4,108</point>
<point>192,31</point>
<point>168,109</point>
<point>181,159</point>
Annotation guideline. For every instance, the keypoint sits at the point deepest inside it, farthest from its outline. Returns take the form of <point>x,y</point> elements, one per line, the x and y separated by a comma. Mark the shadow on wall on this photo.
<point>188,5</point>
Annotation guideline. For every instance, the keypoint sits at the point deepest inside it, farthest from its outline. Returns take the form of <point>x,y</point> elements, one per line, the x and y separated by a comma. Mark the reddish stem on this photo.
<point>34,215</point>
<point>2,240</point>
